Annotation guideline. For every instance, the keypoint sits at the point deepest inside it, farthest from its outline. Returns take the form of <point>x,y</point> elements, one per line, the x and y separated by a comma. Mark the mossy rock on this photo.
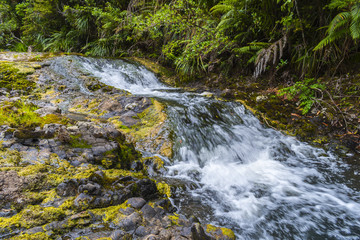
<point>13,77</point>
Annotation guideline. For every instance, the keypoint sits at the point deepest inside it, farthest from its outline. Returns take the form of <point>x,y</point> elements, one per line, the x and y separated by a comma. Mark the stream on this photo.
<point>232,171</point>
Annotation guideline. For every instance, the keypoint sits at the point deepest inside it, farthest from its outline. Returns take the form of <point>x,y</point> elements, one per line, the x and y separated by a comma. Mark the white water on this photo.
<point>235,172</point>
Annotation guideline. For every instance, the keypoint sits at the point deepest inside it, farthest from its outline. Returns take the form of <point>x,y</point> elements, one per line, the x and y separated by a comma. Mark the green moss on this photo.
<point>22,115</point>
<point>147,130</point>
<point>19,114</point>
<point>76,142</point>
<point>10,158</point>
<point>164,189</point>
<point>53,118</point>
<point>155,161</point>
<point>174,219</point>
<point>111,214</point>
<point>49,196</point>
<point>35,169</point>
<point>35,236</point>
<point>32,216</point>
<point>13,77</point>
<point>219,232</point>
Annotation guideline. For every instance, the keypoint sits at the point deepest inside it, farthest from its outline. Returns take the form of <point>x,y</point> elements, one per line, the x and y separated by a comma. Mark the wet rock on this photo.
<point>111,106</point>
<point>47,110</point>
<point>117,235</point>
<point>129,118</point>
<point>136,202</point>
<point>67,188</point>
<point>83,200</point>
<point>148,211</point>
<point>207,94</point>
<point>11,187</point>
<point>198,233</point>
<point>90,188</point>
<point>261,98</point>
<point>130,223</point>
<point>35,230</point>
<point>146,189</point>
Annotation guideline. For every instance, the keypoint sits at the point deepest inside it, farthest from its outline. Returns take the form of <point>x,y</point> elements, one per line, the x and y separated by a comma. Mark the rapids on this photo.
<point>232,171</point>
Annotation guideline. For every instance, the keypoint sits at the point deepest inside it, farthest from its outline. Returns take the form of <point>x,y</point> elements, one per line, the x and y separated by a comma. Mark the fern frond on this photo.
<point>330,39</point>
<point>220,9</point>
<point>339,20</point>
<point>355,23</point>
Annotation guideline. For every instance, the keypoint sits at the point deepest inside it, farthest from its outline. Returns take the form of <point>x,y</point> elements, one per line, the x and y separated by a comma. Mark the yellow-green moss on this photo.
<point>32,216</point>
<point>174,219</point>
<point>111,214</point>
<point>35,236</point>
<point>10,158</point>
<point>33,169</point>
<point>147,129</point>
<point>219,232</point>
<point>13,76</point>
<point>164,188</point>
<point>116,173</point>
<point>22,115</point>
<point>49,196</point>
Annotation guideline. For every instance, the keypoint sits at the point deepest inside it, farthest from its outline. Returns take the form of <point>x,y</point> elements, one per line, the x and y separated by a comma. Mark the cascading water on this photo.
<point>234,172</point>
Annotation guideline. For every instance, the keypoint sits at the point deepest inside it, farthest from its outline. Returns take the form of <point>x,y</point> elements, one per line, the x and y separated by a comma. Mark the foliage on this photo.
<point>344,24</point>
<point>305,90</point>
<point>195,37</point>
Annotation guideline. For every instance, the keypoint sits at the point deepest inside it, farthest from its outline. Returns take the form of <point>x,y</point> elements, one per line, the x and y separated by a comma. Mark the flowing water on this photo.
<point>234,172</point>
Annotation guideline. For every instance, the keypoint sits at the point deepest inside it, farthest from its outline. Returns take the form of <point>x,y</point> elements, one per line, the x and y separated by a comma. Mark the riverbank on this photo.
<point>68,162</point>
<point>333,120</point>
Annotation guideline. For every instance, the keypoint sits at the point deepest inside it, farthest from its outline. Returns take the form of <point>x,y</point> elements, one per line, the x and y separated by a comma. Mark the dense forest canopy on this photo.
<point>252,37</point>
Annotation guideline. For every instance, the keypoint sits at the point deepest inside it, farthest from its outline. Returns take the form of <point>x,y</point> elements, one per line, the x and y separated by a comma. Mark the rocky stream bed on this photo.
<point>69,168</point>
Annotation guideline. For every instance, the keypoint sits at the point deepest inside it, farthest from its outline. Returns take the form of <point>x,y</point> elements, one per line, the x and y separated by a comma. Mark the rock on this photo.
<point>130,223</point>
<point>111,106</point>
<point>83,200</point>
<point>11,187</point>
<point>90,188</point>
<point>35,230</point>
<point>151,237</point>
<point>207,94</point>
<point>64,135</point>
<point>198,233</point>
<point>136,202</point>
<point>47,110</point>
<point>129,118</point>
<point>130,106</point>
<point>117,235</point>
<point>146,189</point>
<point>73,129</point>
<point>67,188</point>
<point>148,211</point>
<point>261,98</point>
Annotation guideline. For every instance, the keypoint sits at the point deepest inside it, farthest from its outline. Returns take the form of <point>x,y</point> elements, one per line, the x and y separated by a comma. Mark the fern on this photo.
<point>343,24</point>
<point>274,52</point>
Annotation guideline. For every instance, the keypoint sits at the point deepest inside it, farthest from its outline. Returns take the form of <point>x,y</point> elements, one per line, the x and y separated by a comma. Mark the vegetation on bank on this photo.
<point>279,37</point>
<point>306,51</point>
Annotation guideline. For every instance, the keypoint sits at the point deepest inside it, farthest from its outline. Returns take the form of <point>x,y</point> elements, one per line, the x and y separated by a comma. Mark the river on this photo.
<point>232,171</point>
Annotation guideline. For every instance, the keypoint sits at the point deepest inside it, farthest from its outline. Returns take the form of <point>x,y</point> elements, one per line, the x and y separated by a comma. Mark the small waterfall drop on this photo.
<point>234,172</point>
